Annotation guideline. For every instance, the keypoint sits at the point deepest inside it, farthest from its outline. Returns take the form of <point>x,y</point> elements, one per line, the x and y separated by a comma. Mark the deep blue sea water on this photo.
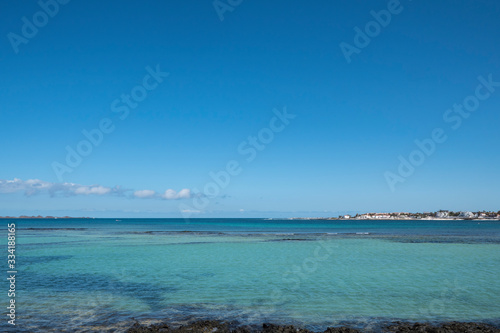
<point>102,274</point>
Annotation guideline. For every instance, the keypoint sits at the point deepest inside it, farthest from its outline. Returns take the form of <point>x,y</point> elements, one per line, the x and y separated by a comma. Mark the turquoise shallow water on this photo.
<point>91,274</point>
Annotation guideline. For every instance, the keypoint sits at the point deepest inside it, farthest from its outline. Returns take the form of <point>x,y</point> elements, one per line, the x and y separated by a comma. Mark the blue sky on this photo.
<point>337,151</point>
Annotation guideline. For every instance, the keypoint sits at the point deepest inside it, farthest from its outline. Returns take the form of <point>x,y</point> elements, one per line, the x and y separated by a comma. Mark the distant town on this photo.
<point>439,215</point>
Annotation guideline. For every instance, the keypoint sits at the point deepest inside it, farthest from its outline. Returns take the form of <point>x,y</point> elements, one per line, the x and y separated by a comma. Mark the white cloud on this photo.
<point>173,195</point>
<point>169,194</point>
<point>35,186</point>
<point>184,194</point>
<point>99,190</point>
<point>144,194</point>
<point>11,186</point>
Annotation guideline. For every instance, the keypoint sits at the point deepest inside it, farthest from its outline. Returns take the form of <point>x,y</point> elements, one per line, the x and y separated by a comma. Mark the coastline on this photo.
<point>441,215</point>
<point>209,326</point>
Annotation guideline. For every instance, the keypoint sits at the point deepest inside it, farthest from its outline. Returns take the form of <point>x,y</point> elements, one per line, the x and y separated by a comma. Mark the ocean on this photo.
<point>104,274</point>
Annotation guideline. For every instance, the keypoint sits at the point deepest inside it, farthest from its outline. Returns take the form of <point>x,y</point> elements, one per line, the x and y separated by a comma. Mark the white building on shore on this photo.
<point>442,214</point>
<point>467,215</point>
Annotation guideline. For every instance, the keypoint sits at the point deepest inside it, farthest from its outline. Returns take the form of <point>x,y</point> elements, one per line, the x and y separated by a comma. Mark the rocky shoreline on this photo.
<point>212,326</point>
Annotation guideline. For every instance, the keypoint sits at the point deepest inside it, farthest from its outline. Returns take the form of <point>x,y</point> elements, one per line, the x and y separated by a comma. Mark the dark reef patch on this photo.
<point>212,326</point>
<point>30,260</point>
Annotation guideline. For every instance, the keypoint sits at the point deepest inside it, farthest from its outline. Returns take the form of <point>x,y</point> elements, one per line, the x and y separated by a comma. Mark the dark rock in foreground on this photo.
<point>451,327</point>
<point>213,326</point>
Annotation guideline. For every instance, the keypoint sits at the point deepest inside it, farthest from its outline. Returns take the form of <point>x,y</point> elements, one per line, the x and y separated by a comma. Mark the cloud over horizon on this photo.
<point>32,187</point>
<point>168,195</point>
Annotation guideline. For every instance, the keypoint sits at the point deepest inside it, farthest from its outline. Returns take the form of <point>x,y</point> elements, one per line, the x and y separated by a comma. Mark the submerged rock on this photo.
<point>451,327</point>
<point>214,326</point>
<point>138,328</point>
<point>341,330</point>
<point>202,326</point>
<point>271,328</point>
